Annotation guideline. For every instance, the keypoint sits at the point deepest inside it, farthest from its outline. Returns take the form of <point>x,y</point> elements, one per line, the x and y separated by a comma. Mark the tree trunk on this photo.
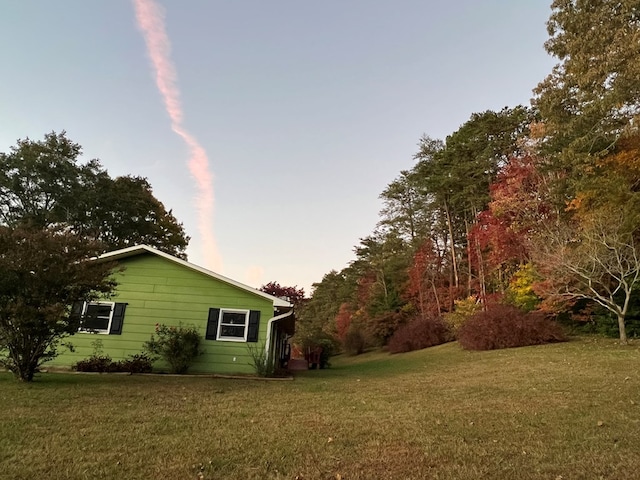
<point>435,294</point>
<point>622,328</point>
<point>454,262</point>
<point>470,272</point>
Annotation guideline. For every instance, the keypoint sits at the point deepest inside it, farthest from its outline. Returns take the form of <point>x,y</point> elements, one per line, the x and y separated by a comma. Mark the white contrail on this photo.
<point>150,19</point>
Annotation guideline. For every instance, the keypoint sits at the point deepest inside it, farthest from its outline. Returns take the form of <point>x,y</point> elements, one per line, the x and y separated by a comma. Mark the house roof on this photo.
<point>142,249</point>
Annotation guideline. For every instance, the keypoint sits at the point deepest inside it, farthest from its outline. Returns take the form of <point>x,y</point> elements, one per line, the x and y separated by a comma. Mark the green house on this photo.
<point>155,288</point>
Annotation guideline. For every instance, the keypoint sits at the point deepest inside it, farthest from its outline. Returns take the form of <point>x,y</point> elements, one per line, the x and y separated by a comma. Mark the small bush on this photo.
<point>178,346</point>
<point>420,333</point>
<point>382,327</point>
<point>354,342</point>
<point>520,292</point>
<point>505,326</point>
<point>323,341</point>
<point>463,311</point>
<point>96,363</point>
<point>260,360</point>
<point>138,363</point>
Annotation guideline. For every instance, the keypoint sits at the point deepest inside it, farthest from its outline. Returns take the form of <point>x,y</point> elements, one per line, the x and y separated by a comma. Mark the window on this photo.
<point>100,317</point>
<point>233,325</point>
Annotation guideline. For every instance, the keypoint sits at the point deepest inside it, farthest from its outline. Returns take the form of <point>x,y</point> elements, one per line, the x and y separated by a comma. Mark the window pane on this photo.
<point>96,317</point>
<point>234,318</point>
<point>98,311</point>
<point>95,323</point>
<point>232,331</point>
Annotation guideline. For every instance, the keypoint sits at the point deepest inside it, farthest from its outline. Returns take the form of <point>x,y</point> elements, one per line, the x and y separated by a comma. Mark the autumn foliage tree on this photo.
<point>512,203</point>
<point>594,258</point>
<point>294,295</point>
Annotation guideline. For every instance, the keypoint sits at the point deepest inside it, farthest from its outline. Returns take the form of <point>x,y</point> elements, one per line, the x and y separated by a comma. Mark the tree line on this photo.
<point>534,206</point>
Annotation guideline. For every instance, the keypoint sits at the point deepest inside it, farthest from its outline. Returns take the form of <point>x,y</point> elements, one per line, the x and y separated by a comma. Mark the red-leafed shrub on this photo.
<point>505,326</point>
<point>420,333</point>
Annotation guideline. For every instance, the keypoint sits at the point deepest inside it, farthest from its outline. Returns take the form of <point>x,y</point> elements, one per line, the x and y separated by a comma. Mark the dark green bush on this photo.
<point>322,341</point>
<point>354,342</point>
<point>138,363</point>
<point>96,363</point>
<point>178,346</point>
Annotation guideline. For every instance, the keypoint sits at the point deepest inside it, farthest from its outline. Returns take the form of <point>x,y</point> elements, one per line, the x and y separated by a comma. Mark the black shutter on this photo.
<point>212,324</point>
<point>76,313</point>
<point>254,326</point>
<point>117,319</point>
<point>76,310</point>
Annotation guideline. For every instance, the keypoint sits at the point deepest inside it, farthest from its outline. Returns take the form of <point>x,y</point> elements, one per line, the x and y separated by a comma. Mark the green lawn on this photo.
<point>565,411</point>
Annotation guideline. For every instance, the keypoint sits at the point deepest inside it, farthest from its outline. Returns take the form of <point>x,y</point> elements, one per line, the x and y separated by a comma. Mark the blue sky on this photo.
<point>307,110</point>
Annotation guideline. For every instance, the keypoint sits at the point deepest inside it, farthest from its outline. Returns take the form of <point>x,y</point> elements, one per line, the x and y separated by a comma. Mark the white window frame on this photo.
<point>246,325</point>
<point>85,307</point>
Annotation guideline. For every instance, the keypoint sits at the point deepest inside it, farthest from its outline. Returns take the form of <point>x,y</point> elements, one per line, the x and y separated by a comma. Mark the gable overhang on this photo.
<point>278,303</point>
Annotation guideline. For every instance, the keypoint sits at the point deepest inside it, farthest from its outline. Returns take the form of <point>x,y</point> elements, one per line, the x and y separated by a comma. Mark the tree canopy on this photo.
<point>43,271</point>
<point>42,183</point>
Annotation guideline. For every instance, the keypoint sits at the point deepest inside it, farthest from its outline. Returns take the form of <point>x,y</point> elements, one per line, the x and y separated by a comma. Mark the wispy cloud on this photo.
<point>150,19</point>
<point>254,275</point>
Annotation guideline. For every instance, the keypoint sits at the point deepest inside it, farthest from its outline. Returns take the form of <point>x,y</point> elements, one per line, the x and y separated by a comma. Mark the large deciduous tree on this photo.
<point>42,183</point>
<point>42,272</point>
<point>594,257</point>
<point>122,212</point>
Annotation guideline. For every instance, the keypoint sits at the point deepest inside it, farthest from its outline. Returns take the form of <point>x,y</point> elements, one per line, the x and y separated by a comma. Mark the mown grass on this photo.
<point>564,411</point>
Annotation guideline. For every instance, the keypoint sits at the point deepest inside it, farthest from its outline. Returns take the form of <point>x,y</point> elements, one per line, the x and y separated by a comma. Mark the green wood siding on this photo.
<point>159,291</point>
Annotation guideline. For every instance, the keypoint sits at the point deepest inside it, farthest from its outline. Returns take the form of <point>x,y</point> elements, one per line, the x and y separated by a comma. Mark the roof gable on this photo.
<point>142,249</point>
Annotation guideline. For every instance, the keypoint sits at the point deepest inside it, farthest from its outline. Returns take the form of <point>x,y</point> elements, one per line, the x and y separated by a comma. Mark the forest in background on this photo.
<point>536,207</point>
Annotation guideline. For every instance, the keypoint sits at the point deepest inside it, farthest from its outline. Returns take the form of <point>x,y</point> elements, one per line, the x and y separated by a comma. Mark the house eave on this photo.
<point>141,249</point>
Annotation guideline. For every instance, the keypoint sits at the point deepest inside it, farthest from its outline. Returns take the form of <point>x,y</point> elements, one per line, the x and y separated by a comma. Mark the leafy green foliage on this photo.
<point>593,93</point>
<point>42,184</point>
<point>177,346</point>
<point>123,212</point>
<point>315,317</point>
<point>354,341</point>
<point>42,272</point>
<point>326,344</point>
